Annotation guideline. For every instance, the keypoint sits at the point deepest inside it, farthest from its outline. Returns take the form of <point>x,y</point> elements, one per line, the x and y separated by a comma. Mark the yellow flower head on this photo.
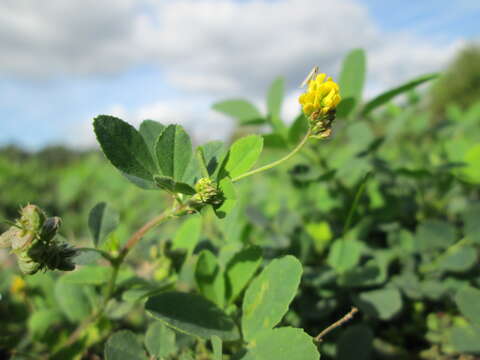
<point>322,96</point>
<point>17,285</point>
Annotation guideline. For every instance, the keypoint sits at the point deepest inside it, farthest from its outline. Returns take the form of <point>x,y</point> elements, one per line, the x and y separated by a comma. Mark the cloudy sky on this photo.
<point>63,62</point>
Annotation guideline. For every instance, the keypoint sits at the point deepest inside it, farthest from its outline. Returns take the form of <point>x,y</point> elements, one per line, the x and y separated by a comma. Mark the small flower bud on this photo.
<point>322,125</point>
<point>50,228</point>
<point>32,239</point>
<point>207,192</point>
<point>32,217</point>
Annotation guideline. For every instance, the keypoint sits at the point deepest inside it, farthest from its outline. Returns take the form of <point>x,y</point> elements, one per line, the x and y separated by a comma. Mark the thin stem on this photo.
<point>278,162</point>
<point>140,233</point>
<point>116,263</point>
<point>336,324</point>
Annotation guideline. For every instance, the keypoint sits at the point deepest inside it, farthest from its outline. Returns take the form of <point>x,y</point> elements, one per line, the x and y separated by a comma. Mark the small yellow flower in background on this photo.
<point>18,285</point>
<point>322,96</point>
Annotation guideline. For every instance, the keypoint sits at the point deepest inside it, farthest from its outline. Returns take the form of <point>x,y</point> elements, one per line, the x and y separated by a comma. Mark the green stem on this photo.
<point>278,162</point>
<point>116,263</point>
<point>140,233</point>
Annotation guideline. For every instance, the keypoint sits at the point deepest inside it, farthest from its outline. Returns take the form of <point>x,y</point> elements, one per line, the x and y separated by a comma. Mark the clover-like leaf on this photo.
<point>285,343</point>
<point>124,345</point>
<point>151,130</point>
<point>160,340</point>
<point>243,154</point>
<point>192,314</point>
<point>102,220</point>
<point>174,151</point>
<point>126,149</point>
<point>210,278</point>
<point>269,295</point>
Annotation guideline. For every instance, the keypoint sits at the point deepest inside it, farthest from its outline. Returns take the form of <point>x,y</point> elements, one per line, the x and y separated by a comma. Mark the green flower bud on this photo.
<point>26,264</point>
<point>32,218</point>
<point>207,192</point>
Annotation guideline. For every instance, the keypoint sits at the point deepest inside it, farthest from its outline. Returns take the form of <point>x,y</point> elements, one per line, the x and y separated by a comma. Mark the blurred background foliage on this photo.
<point>460,84</point>
<point>407,255</point>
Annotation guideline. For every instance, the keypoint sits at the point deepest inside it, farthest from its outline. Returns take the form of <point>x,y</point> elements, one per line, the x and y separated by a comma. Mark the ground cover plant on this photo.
<point>349,233</point>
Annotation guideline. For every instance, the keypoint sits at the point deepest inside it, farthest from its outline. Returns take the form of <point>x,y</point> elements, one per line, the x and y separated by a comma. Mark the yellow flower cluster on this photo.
<point>322,96</point>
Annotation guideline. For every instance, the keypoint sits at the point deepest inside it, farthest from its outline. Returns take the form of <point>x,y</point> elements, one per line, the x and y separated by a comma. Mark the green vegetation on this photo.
<point>460,84</point>
<point>381,216</point>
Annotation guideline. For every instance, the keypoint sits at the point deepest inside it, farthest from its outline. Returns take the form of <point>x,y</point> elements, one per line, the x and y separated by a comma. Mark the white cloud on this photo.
<point>206,49</point>
<point>220,47</point>
<point>56,37</point>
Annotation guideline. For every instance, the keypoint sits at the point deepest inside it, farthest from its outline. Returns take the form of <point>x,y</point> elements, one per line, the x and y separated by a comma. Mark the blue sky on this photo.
<point>169,60</point>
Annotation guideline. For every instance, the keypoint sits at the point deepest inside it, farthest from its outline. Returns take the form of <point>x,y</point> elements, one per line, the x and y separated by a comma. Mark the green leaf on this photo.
<point>160,340</point>
<point>269,295</point>
<point>174,151</point>
<point>126,149</point>
<point>471,226</point>
<point>210,278</point>
<point>356,343</point>
<point>243,154</point>
<point>73,300</point>
<point>87,256</point>
<point>390,94</point>
<point>124,345</point>
<point>212,152</point>
<point>92,275</point>
<point>216,347</point>
<point>117,310</point>
<point>468,302</point>
<point>434,234</point>
<point>458,259</point>
<point>274,104</point>
<point>352,79</point>
<point>188,234</point>
<point>102,220</point>
<point>344,254</point>
<point>471,171</point>
<point>151,130</point>
<point>168,184</point>
<point>230,198</point>
<point>383,303</point>
<point>465,339</point>
<point>241,110</point>
<point>284,343</point>
<point>41,320</point>
<point>240,269</point>
<point>192,314</point>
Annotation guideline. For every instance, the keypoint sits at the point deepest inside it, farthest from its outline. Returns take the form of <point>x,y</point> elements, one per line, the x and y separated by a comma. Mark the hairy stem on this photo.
<point>140,233</point>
